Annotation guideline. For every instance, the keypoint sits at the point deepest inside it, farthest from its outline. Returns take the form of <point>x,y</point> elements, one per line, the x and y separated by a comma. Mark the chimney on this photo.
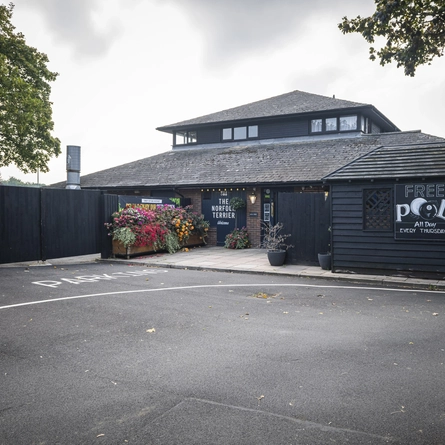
<point>73,167</point>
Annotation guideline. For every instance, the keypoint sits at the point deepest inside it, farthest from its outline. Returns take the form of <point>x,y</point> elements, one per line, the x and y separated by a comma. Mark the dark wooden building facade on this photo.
<point>269,152</point>
<point>388,212</point>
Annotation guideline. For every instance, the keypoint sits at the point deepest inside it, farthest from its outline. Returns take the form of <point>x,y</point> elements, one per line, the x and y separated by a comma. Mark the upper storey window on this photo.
<point>333,124</point>
<point>240,133</point>
<point>348,123</point>
<point>185,137</point>
<point>316,125</point>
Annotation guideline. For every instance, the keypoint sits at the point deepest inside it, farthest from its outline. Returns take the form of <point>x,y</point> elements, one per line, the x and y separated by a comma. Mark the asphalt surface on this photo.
<point>116,354</point>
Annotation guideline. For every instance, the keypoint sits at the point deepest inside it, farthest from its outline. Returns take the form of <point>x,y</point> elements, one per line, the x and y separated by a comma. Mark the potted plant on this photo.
<point>237,239</point>
<point>324,259</point>
<point>275,243</point>
<point>237,203</point>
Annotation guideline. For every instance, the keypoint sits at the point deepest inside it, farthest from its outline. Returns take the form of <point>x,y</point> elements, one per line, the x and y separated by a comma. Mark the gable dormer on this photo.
<point>291,115</point>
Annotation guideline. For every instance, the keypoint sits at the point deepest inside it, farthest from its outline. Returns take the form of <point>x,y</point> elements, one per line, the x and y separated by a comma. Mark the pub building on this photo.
<point>339,175</point>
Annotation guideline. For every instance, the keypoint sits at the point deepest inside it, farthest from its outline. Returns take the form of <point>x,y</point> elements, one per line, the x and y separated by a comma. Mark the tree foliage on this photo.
<point>25,109</point>
<point>414,31</point>
<point>15,181</point>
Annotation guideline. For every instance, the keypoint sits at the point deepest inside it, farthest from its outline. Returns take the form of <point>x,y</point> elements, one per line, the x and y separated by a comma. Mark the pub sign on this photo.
<point>420,211</point>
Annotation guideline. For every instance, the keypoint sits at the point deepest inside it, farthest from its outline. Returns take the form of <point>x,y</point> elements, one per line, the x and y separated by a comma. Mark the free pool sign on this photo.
<point>420,211</point>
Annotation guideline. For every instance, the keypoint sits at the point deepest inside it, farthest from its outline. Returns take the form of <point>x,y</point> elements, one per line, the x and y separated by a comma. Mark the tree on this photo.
<point>16,181</point>
<point>25,110</point>
<point>414,31</point>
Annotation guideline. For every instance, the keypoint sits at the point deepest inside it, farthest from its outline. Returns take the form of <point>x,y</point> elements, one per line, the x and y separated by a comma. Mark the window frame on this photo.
<point>190,137</point>
<point>247,128</point>
<point>348,129</point>
<point>337,129</point>
<point>388,216</point>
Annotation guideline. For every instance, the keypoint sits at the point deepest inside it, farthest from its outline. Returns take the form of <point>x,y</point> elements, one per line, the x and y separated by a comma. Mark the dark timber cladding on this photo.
<point>357,249</point>
<point>19,224</point>
<point>305,216</point>
<point>43,223</point>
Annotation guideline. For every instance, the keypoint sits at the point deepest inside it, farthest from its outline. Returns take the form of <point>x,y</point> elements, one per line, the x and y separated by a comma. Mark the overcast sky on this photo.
<point>129,66</point>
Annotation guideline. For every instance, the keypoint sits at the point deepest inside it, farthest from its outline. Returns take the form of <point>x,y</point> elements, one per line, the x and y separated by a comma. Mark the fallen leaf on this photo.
<point>150,331</point>
<point>402,410</point>
<point>100,435</point>
<point>436,313</point>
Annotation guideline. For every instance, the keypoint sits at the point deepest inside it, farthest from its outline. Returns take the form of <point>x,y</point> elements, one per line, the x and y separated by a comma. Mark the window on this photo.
<point>331,124</point>
<point>240,133</point>
<point>316,125</point>
<point>227,134</point>
<point>191,137</point>
<point>253,131</point>
<point>377,209</point>
<point>185,137</point>
<point>180,137</point>
<point>324,125</point>
<point>348,123</point>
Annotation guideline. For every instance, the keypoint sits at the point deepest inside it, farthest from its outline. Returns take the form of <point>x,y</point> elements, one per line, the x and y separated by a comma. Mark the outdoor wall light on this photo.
<point>252,197</point>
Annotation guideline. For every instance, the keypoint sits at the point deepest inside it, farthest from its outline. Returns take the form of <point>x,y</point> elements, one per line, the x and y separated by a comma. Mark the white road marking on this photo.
<point>97,277</point>
<point>207,286</point>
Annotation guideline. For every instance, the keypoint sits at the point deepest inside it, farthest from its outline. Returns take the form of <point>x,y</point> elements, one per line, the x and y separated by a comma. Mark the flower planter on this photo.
<point>132,251</point>
<point>276,257</point>
<point>325,260</point>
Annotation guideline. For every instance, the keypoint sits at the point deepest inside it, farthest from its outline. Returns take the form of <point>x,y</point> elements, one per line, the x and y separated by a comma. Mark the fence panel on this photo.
<point>70,222</point>
<point>19,224</point>
<point>43,223</point>
<point>306,217</point>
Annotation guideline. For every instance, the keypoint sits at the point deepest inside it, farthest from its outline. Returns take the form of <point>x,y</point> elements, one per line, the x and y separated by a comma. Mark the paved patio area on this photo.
<point>255,261</point>
<point>242,261</point>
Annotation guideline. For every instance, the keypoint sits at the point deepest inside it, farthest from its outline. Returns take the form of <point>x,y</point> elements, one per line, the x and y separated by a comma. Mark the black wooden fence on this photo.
<point>43,223</point>
<point>306,216</point>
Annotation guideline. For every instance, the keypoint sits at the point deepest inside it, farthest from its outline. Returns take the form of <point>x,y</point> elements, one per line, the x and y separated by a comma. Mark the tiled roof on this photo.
<point>263,163</point>
<point>295,102</point>
<point>406,161</point>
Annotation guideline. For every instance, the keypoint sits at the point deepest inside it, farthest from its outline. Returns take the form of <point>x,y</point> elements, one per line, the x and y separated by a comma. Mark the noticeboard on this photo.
<point>150,202</point>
